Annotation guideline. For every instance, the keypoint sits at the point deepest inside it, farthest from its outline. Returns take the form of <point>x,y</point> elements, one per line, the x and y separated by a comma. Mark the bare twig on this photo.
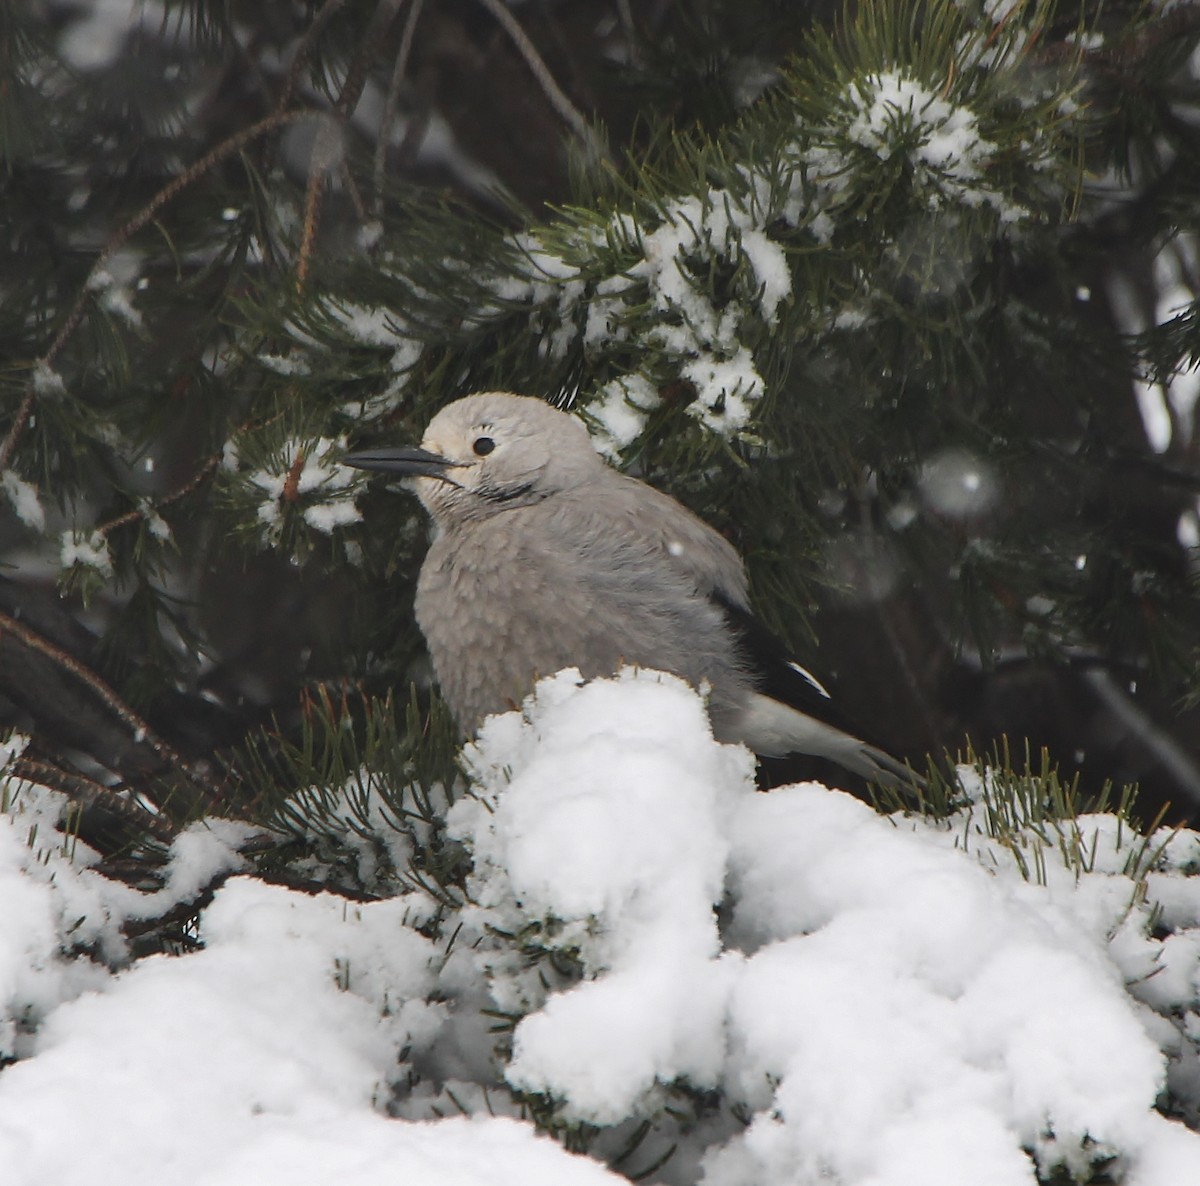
<point>567,110</point>
<point>318,170</point>
<point>291,484</point>
<point>354,193</point>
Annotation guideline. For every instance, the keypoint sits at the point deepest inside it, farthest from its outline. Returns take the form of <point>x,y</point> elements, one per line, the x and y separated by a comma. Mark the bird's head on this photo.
<point>487,453</point>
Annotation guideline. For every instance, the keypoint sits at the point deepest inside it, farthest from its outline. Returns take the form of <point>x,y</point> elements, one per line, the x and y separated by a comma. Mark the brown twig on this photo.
<point>325,149</point>
<point>354,193</point>
<point>291,484</point>
<point>193,483</point>
<point>86,790</point>
<point>373,35</point>
<point>318,170</point>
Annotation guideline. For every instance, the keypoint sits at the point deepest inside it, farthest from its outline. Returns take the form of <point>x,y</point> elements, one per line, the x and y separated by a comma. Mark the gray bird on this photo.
<point>544,557</point>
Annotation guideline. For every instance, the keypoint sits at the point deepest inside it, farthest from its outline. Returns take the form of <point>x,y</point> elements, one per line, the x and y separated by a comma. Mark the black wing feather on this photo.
<point>770,666</point>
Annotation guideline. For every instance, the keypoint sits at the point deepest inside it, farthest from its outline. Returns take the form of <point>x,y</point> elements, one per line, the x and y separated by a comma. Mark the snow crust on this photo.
<point>862,999</point>
<point>941,136</point>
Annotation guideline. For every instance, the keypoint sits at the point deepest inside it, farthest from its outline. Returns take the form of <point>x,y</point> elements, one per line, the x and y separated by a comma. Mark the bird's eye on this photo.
<point>483,446</point>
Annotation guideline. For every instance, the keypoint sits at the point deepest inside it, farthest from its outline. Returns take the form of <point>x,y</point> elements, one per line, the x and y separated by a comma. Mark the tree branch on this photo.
<point>84,790</point>
<point>140,732</point>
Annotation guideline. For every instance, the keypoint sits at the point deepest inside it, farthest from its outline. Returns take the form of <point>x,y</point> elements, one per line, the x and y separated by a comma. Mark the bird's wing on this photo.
<point>690,547</point>
<point>775,674</point>
<point>791,712</point>
<point>681,589</point>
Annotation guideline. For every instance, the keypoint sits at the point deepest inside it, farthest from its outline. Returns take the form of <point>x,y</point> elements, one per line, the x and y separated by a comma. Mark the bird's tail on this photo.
<point>880,767</point>
<point>774,729</point>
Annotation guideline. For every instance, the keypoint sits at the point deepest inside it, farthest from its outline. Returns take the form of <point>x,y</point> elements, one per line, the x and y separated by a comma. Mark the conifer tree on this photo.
<point>900,297</point>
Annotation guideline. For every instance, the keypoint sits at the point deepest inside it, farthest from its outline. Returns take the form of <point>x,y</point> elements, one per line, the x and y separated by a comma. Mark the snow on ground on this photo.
<point>878,1001</point>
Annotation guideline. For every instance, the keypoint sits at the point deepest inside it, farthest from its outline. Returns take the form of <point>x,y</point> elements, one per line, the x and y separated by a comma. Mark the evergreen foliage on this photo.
<point>875,291</point>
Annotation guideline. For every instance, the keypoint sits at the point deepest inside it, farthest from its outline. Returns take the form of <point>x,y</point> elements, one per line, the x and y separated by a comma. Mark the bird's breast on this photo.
<point>486,610</point>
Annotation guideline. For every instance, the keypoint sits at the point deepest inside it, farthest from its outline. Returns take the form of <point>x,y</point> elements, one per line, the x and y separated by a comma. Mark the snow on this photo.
<point>285,364</point>
<point>47,381</point>
<point>955,483</point>
<point>95,35</point>
<point>324,517</point>
<point>653,266</point>
<point>991,1016</point>
<point>252,1066</point>
<point>371,327</point>
<point>24,500</point>
<point>1168,407</point>
<point>114,283</point>
<point>892,112</point>
<point>550,835</point>
<point>620,411</point>
<point>308,473</point>
<point>871,1000</point>
<point>158,527</point>
<point>87,549</point>
<point>726,390</point>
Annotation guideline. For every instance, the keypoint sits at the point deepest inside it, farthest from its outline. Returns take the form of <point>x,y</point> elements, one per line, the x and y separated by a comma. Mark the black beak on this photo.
<point>405,463</point>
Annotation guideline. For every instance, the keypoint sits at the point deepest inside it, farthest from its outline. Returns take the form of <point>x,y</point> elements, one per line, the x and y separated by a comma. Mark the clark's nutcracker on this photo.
<point>544,557</point>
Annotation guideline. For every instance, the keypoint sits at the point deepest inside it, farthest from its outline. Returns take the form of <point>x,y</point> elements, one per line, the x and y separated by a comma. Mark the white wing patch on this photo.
<point>805,674</point>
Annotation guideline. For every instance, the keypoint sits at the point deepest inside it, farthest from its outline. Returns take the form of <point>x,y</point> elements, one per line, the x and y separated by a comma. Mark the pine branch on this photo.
<point>205,471</point>
<point>327,139</point>
<point>81,789</point>
<point>304,50</point>
<point>144,739</point>
<point>74,318</point>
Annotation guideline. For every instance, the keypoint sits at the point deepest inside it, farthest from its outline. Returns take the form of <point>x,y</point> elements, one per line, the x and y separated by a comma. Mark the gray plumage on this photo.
<point>544,557</point>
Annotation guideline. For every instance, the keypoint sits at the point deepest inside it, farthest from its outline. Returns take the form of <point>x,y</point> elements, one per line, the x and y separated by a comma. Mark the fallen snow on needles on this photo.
<point>823,993</point>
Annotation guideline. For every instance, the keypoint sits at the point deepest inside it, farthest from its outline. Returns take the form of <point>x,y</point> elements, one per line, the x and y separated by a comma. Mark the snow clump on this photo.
<point>788,988</point>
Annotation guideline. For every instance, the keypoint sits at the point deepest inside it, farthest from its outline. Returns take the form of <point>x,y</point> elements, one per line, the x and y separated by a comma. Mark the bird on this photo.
<point>545,557</point>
